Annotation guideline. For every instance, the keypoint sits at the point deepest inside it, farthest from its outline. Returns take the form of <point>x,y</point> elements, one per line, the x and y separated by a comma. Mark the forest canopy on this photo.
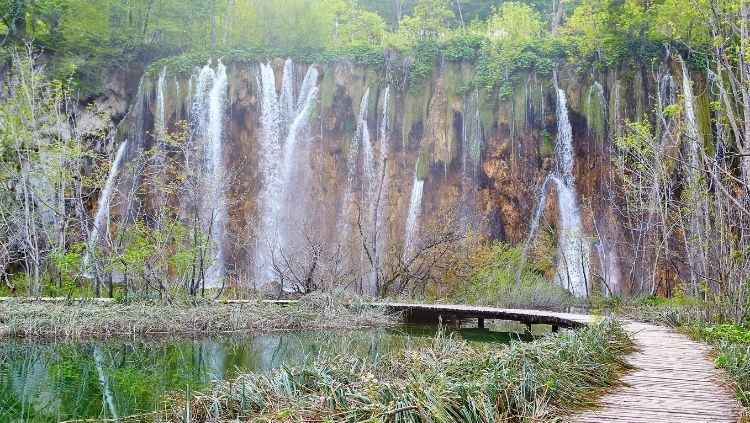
<point>86,37</point>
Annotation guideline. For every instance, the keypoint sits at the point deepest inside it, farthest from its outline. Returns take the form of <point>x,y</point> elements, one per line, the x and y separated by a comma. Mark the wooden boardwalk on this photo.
<point>674,381</point>
<point>432,311</point>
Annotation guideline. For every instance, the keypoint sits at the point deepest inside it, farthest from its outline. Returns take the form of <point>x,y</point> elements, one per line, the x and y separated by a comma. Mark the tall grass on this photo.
<point>732,344</point>
<point>449,381</point>
<point>87,319</point>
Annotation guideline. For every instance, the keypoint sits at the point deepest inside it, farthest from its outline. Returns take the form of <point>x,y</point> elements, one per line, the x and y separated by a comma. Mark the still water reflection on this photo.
<point>44,381</point>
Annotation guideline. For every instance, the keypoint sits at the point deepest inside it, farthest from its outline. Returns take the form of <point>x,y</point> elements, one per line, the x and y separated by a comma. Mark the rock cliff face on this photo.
<point>482,158</point>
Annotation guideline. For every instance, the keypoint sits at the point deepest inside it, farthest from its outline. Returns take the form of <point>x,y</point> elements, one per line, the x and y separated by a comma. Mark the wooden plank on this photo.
<point>674,381</point>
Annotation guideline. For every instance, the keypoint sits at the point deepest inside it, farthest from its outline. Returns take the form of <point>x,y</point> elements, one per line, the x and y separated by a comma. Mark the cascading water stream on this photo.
<point>101,218</point>
<point>361,136</point>
<point>574,248</point>
<point>698,213</point>
<point>177,109</point>
<point>282,119</point>
<point>471,135</point>
<point>368,155</point>
<point>379,224</point>
<point>287,106</point>
<point>667,92</point>
<point>208,112</point>
<point>595,110</point>
<point>573,260</point>
<point>690,119</point>
<point>269,166</point>
<point>160,119</point>
<point>541,203</point>
<point>160,132</point>
<point>412,217</point>
<point>308,94</point>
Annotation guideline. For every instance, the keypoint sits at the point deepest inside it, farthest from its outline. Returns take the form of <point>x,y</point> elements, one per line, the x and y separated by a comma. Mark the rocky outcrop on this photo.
<point>427,140</point>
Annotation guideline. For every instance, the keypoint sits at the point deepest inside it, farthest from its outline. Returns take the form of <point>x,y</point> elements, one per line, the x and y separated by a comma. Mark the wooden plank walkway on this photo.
<point>674,381</point>
<point>568,320</point>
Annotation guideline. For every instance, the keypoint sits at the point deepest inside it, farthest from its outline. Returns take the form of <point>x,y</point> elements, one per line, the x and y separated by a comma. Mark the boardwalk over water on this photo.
<point>674,379</point>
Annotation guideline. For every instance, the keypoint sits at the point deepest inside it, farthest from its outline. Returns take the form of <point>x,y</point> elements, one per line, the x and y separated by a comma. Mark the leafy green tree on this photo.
<point>429,22</point>
<point>515,22</point>
<point>356,26</point>
<point>607,29</point>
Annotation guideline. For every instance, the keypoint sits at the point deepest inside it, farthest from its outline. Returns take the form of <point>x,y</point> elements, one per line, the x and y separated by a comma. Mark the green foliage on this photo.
<point>425,55</point>
<point>733,344</point>
<point>515,22</point>
<point>638,146</point>
<point>462,48</point>
<point>496,278</point>
<point>729,332</point>
<point>88,37</point>
<point>358,27</point>
<point>449,381</point>
<point>546,147</point>
<point>515,43</point>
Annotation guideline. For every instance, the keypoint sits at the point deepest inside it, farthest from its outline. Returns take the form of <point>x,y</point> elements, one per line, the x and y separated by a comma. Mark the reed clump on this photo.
<point>81,319</point>
<point>448,381</point>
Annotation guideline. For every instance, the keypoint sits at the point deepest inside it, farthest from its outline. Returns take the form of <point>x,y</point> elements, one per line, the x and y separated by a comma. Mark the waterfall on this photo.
<point>286,102</point>
<point>667,94</point>
<point>573,262</point>
<point>615,110</point>
<point>692,125</point>
<point>574,248</point>
<point>269,164</point>
<point>595,110</point>
<point>208,112</point>
<point>282,120</point>
<point>471,137</point>
<point>541,203</point>
<point>564,154</point>
<point>385,127</point>
<point>361,136</point>
<point>159,132</point>
<point>160,119</point>
<point>380,228</point>
<point>368,155</point>
<point>698,213</point>
<point>412,217</point>
<point>610,272</point>
<point>177,109</point>
<point>367,183</point>
<point>101,218</point>
<point>299,115</point>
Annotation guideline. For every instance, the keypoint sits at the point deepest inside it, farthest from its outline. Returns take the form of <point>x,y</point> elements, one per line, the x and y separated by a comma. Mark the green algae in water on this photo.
<point>54,381</point>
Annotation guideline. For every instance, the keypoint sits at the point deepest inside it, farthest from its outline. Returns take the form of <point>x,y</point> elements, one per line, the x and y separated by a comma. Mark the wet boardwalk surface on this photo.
<point>674,381</point>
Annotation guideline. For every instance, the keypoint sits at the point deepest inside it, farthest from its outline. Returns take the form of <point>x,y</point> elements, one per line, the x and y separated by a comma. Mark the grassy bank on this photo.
<point>88,319</point>
<point>732,346</point>
<point>449,381</point>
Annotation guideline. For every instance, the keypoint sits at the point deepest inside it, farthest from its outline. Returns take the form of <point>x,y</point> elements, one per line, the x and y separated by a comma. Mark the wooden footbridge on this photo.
<point>435,312</point>
<point>674,379</point>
